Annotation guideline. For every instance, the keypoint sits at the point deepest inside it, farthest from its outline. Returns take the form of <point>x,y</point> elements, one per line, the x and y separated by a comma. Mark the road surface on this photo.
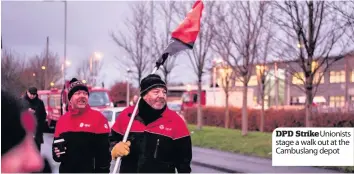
<point>47,147</point>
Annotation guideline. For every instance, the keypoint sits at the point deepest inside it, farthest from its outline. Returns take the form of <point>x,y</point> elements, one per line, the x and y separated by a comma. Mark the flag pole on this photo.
<point>189,34</point>
<point>160,62</point>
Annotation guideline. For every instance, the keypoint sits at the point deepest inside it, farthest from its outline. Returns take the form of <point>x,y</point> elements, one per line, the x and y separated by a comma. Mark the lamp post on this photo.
<point>95,57</point>
<point>65,30</point>
<point>128,90</point>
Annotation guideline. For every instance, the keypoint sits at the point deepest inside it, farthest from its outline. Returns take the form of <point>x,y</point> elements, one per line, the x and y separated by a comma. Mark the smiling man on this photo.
<point>81,141</point>
<point>159,141</point>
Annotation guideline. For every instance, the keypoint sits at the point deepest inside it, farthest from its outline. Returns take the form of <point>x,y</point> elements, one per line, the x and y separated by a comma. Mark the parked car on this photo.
<point>177,108</point>
<point>111,114</point>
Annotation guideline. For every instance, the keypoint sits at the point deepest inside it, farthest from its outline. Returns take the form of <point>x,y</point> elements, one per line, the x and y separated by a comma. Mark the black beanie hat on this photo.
<point>149,82</point>
<point>76,85</point>
<point>14,121</point>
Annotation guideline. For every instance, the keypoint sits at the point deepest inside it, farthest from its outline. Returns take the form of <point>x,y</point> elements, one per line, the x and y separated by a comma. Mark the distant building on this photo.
<point>335,89</point>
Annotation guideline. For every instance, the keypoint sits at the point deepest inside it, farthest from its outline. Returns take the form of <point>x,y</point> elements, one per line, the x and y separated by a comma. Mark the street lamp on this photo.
<point>43,67</point>
<point>51,84</point>
<point>67,63</point>
<point>128,90</point>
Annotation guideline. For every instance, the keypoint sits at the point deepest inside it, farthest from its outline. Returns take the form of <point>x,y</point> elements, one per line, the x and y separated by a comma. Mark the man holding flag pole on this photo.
<point>150,137</point>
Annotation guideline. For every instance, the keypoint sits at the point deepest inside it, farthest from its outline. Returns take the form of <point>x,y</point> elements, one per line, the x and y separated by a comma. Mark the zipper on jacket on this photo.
<point>156,148</point>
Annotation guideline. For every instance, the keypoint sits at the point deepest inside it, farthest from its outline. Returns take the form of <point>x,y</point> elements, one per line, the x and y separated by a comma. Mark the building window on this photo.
<point>352,76</point>
<point>317,77</point>
<point>351,98</point>
<point>238,82</point>
<point>253,81</point>
<point>255,100</point>
<point>336,101</point>
<point>337,77</point>
<point>298,78</point>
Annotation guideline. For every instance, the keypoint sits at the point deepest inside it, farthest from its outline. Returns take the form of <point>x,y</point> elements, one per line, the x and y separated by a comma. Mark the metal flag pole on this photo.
<point>160,62</point>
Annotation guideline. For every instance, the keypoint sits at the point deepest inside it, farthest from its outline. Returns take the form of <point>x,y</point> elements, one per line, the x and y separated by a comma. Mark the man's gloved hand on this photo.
<point>120,149</point>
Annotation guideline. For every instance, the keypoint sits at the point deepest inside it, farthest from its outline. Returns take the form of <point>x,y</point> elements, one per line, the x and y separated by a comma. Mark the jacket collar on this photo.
<point>74,111</point>
<point>147,114</point>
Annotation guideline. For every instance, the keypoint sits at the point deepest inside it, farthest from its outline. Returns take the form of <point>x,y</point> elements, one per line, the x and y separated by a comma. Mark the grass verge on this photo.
<point>254,144</point>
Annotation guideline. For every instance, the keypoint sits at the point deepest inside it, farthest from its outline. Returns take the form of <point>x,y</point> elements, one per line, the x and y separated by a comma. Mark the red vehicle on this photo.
<point>55,104</point>
<point>190,99</point>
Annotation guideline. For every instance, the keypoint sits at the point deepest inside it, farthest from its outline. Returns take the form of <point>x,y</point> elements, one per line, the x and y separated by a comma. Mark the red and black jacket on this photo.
<point>160,141</point>
<point>86,140</point>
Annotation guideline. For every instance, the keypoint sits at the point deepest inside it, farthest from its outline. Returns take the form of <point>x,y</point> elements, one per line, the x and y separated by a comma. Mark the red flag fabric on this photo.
<point>186,33</point>
<point>188,30</point>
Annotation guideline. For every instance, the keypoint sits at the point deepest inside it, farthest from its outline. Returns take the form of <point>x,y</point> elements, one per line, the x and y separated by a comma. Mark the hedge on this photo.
<point>215,116</point>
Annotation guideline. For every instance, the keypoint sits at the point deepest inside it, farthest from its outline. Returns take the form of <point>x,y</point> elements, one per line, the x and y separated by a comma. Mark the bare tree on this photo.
<point>11,69</point>
<point>226,84</point>
<point>83,70</point>
<point>310,32</point>
<point>346,10</point>
<point>88,69</point>
<point>46,68</point>
<point>241,24</point>
<point>161,39</point>
<point>263,72</point>
<point>201,53</point>
<point>135,42</point>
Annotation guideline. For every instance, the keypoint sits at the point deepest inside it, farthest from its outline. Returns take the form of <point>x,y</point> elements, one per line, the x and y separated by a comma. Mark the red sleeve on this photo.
<point>181,127</point>
<point>59,127</point>
<point>117,124</point>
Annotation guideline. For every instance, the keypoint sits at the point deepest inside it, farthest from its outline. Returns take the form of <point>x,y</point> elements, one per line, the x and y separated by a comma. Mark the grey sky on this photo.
<point>25,26</point>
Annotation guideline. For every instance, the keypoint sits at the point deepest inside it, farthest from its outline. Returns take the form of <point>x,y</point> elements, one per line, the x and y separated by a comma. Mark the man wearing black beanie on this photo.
<point>19,153</point>
<point>159,140</point>
<point>36,106</point>
<point>81,141</point>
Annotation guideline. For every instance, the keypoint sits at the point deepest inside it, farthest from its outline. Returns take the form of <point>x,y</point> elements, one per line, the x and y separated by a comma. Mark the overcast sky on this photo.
<point>25,26</point>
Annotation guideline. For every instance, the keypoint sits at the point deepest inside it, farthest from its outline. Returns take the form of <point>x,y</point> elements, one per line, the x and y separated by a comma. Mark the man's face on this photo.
<point>31,96</point>
<point>156,98</point>
<point>23,158</point>
<point>79,100</point>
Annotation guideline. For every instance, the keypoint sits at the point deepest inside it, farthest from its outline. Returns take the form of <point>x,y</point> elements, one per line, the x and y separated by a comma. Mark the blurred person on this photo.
<point>159,140</point>
<point>19,153</point>
<point>81,141</point>
<point>36,106</point>
<point>135,100</point>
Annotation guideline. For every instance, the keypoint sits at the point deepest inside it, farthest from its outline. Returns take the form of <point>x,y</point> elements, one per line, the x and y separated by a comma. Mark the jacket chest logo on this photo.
<point>84,125</point>
<point>162,127</point>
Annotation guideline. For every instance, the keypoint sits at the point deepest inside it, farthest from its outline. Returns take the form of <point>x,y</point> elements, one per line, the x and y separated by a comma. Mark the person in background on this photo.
<point>36,107</point>
<point>81,142</point>
<point>19,153</point>
<point>135,100</point>
<point>159,140</point>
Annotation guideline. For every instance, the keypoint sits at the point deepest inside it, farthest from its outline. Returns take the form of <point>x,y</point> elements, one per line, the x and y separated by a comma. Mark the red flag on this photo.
<point>188,30</point>
<point>186,33</point>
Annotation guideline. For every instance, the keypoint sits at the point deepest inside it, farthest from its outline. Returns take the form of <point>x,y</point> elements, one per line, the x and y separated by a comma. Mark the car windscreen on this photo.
<point>54,101</point>
<point>108,115</point>
<point>98,98</point>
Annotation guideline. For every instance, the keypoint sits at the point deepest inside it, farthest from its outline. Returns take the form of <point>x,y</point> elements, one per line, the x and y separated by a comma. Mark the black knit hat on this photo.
<point>32,90</point>
<point>76,85</point>
<point>149,82</point>
<point>15,121</point>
